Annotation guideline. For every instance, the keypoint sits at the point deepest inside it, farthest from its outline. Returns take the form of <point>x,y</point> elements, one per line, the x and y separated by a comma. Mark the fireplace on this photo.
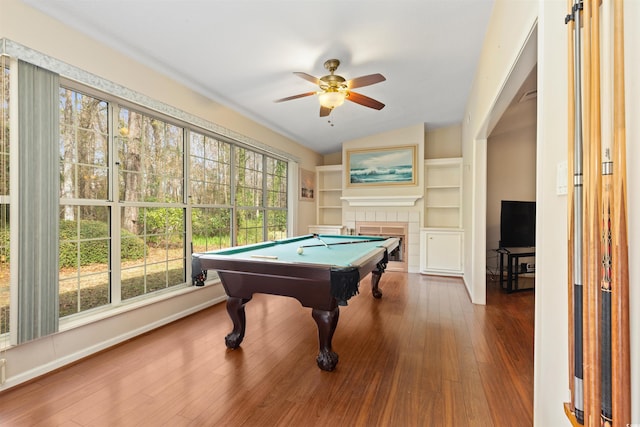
<point>398,258</point>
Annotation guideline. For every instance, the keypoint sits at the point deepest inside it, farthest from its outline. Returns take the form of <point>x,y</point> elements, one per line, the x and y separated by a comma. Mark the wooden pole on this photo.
<point>590,231</point>
<point>570,407</point>
<point>597,299</point>
<point>576,218</point>
<point>620,366</point>
<point>604,222</point>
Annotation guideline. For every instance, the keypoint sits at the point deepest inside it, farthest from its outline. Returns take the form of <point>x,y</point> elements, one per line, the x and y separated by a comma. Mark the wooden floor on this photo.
<point>423,355</point>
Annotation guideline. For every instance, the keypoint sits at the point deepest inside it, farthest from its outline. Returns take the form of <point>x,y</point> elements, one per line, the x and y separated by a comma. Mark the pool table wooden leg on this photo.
<point>235,308</point>
<point>327,320</point>
<point>375,279</point>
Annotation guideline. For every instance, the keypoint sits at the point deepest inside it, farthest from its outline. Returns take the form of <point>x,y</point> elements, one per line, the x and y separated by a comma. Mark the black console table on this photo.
<point>513,256</point>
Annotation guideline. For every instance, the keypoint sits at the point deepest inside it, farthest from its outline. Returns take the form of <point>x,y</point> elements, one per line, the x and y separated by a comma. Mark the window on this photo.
<point>250,208</point>
<point>150,249</point>
<point>123,207</point>
<point>260,197</point>
<point>85,236</point>
<point>151,195</point>
<point>249,201</point>
<point>210,193</point>
<point>276,199</point>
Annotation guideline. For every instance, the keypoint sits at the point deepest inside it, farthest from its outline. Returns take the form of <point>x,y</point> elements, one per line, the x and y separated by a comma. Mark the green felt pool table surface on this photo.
<point>342,251</point>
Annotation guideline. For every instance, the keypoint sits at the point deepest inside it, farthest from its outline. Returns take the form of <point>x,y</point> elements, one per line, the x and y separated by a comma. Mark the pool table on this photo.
<point>320,271</point>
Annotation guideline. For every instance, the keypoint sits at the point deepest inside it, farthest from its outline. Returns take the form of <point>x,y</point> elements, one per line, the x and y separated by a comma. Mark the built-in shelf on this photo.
<point>329,192</point>
<point>443,193</point>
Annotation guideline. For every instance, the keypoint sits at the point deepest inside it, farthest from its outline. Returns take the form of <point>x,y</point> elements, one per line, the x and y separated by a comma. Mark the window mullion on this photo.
<point>265,221</point>
<point>114,192</point>
<point>234,208</point>
<point>186,199</point>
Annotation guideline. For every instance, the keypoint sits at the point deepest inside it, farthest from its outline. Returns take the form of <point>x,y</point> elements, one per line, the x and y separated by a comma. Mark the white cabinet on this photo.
<point>327,229</point>
<point>441,251</point>
<point>443,193</point>
<point>329,191</point>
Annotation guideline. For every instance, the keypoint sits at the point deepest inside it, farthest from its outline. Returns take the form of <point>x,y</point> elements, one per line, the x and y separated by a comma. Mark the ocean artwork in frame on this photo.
<point>382,166</point>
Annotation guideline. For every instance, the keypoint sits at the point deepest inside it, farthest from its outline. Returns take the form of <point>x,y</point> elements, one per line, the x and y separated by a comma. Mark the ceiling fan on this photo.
<point>334,89</point>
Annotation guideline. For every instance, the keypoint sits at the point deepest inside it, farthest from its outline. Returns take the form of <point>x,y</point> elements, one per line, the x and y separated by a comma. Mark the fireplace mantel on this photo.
<point>382,200</point>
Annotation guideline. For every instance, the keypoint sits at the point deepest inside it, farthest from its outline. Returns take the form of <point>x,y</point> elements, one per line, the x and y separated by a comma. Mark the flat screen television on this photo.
<point>517,224</point>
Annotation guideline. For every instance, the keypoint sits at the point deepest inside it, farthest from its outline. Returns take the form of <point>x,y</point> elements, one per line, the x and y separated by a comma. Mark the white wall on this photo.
<point>511,22</point>
<point>443,142</point>
<point>551,361</point>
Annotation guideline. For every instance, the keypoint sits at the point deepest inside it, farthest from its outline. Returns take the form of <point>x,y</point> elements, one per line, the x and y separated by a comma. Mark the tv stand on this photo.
<point>513,256</point>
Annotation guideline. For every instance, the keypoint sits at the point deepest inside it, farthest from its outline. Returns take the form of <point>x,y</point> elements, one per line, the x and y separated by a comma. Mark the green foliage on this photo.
<point>211,222</point>
<point>131,246</point>
<point>160,222</point>
<point>93,251</point>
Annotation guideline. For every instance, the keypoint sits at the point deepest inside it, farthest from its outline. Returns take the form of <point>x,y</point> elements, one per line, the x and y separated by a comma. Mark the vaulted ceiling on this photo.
<point>242,54</point>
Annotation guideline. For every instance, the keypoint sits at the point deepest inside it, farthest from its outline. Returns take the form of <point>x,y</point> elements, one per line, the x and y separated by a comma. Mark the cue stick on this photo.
<point>596,352</point>
<point>575,169</point>
<point>621,369</point>
<point>590,226</point>
<point>601,158</point>
<point>323,242</point>
<point>569,20</point>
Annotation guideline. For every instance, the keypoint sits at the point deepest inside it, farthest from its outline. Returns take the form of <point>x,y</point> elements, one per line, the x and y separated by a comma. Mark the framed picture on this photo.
<point>307,185</point>
<point>382,166</point>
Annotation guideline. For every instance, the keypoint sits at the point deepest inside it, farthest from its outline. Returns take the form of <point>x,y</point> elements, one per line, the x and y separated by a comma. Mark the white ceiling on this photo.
<point>242,53</point>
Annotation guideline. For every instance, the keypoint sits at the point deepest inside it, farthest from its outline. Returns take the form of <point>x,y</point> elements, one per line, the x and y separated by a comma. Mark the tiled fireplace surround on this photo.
<point>352,215</point>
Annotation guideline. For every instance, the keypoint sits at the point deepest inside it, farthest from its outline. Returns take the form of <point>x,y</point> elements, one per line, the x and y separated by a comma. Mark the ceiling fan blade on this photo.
<point>365,80</point>
<point>308,77</point>
<point>324,111</point>
<point>365,100</point>
<point>289,98</point>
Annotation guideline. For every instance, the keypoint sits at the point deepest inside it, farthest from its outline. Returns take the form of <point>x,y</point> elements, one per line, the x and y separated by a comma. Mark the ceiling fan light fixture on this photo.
<point>332,99</point>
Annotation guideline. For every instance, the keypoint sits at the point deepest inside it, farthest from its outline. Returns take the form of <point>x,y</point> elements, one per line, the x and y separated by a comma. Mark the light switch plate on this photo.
<point>561,178</point>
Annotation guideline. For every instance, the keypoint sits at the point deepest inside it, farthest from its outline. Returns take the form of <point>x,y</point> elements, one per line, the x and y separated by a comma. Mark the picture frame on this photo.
<point>307,185</point>
<point>396,165</point>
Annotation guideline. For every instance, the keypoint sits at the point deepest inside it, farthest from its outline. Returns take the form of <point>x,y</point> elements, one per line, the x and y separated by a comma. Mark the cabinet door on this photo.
<point>442,252</point>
